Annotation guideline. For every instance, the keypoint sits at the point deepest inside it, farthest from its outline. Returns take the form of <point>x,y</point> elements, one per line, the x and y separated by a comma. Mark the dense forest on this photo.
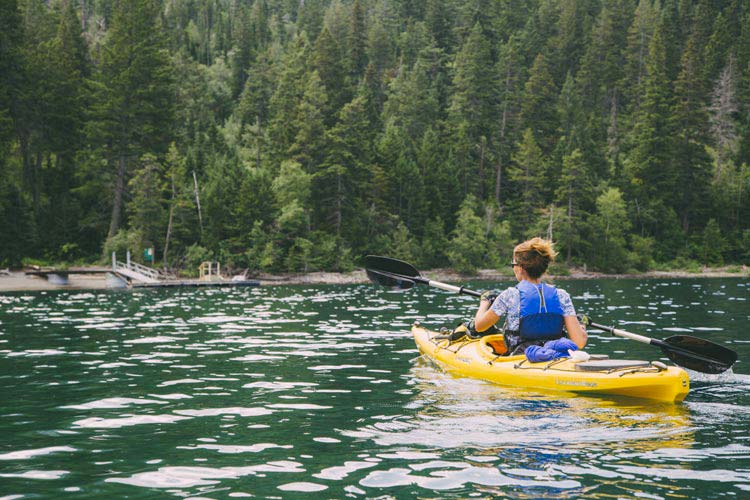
<point>299,135</point>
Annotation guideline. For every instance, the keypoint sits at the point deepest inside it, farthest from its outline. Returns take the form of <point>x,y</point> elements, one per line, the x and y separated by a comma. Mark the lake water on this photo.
<point>319,392</point>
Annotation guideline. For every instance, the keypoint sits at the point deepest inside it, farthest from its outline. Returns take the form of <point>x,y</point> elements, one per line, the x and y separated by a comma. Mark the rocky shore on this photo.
<point>17,281</point>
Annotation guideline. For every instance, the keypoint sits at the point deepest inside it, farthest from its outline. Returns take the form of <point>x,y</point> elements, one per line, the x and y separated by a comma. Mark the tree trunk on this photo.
<point>499,169</point>
<point>339,205</point>
<point>165,262</point>
<point>37,181</point>
<point>257,143</point>
<point>198,202</point>
<point>114,223</point>
<point>570,223</point>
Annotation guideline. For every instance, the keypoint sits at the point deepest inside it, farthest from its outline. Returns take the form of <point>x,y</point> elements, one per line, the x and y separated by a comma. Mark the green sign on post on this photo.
<point>148,255</point>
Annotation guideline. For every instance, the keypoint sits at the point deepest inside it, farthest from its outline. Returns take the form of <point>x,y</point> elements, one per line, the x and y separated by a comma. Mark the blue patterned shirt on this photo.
<point>508,304</point>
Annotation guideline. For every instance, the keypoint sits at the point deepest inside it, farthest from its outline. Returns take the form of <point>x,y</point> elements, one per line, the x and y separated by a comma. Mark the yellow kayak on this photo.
<point>477,358</point>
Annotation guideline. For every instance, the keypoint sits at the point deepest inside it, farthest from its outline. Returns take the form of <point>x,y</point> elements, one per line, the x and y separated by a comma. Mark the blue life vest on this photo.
<point>541,315</point>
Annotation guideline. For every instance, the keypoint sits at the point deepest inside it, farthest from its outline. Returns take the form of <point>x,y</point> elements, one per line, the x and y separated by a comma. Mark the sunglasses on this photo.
<point>514,264</point>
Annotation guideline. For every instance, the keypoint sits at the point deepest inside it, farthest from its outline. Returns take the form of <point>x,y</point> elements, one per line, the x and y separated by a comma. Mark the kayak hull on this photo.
<point>475,358</point>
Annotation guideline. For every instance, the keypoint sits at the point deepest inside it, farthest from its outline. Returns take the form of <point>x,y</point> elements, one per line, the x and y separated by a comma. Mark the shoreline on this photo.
<point>18,281</point>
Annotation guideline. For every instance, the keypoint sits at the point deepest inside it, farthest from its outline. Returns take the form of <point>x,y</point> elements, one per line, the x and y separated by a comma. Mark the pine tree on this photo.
<point>599,82</point>
<point>473,108</point>
<point>538,108</point>
<point>291,84</point>
<point>510,78</point>
<point>609,226</point>
<point>648,164</point>
<point>338,188</point>
<point>357,41</point>
<point>692,162</point>
<point>65,117</point>
<point>147,205</point>
<point>473,97</point>
<point>639,40</point>
<point>573,25</point>
<point>403,179</point>
<point>253,108</point>
<point>15,225</point>
<point>575,188</point>
<point>308,147</point>
<point>438,18</point>
<point>412,101</point>
<point>243,50</point>
<point>134,96</point>
<point>468,245</point>
<point>327,60</point>
<point>528,174</point>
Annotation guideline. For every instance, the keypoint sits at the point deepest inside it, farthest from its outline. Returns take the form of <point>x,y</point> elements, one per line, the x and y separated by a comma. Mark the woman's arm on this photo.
<point>575,331</point>
<point>485,316</point>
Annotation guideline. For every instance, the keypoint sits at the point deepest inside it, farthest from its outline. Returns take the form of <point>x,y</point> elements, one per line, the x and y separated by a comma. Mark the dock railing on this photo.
<point>135,271</point>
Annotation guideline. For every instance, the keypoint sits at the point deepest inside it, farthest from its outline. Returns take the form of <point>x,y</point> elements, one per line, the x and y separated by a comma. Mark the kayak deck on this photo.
<point>476,358</point>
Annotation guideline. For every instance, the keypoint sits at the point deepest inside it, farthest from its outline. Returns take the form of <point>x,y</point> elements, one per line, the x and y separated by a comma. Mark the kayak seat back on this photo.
<point>495,344</point>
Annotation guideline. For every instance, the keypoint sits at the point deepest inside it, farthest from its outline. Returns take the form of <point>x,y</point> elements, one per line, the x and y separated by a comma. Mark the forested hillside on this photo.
<point>301,135</point>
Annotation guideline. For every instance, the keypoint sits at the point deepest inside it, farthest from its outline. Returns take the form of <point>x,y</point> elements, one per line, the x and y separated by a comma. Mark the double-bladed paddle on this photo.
<point>690,352</point>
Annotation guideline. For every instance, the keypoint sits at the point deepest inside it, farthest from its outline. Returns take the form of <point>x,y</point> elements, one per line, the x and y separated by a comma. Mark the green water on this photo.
<point>319,392</point>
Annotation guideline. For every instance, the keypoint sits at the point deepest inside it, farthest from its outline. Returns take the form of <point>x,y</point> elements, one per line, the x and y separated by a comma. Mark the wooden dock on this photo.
<point>60,276</point>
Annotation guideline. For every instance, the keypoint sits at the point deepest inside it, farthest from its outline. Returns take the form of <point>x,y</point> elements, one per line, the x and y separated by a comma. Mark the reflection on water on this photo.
<point>286,391</point>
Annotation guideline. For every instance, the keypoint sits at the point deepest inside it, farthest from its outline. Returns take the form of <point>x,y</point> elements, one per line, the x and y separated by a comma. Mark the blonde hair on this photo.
<point>534,256</point>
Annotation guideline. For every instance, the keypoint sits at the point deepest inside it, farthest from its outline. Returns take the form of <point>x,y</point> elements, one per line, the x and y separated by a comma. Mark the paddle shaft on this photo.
<point>452,288</point>
<point>428,282</point>
<point>623,333</point>
<point>668,349</point>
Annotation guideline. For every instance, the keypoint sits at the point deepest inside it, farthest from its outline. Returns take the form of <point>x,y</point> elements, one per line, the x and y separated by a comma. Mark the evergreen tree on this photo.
<point>473,108</point>
<point>290,87</point>
<point>328,62</point>
<point>575,188</point>
<point>609,226</point>
<point>468,245</point>
<point>146,207</point>
<point>338,187</point>
<point>639,40</point>
<point>253,108</point>
<point>599,82</point>
<point>538,108</point>
<point>528,174</point>
<point>648,164</point>
<point>692,162</point>
<point>510,78</point>
<point>15,224</point>
<point>308,147</point>
<point>357,41</point>
<point>65,117</point>
<point>473,98</point>
<point>438,17</point>
<point>133,95</point>
<point>404,191</point>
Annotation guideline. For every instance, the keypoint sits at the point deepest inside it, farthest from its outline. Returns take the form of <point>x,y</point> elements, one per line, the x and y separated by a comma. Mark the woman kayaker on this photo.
<point>535,312</point>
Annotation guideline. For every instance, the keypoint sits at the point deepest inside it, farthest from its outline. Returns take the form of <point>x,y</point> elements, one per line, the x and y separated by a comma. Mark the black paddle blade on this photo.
<point>698,354</point>
<point>389,280</point>
<point>388,265</point>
